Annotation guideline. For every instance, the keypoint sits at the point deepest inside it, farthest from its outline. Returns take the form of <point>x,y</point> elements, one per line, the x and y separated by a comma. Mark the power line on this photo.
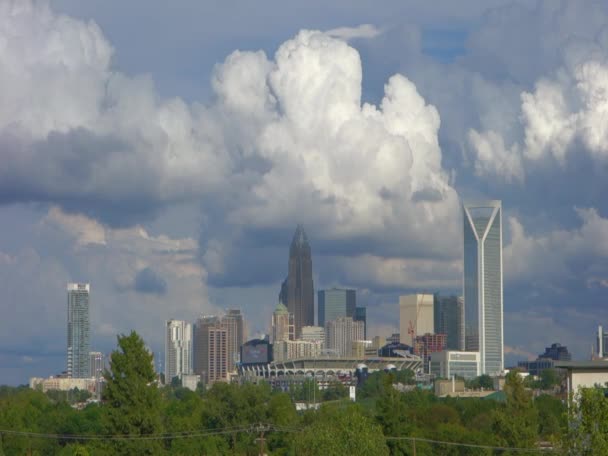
<point>473,445</point>
<point>266,427</point>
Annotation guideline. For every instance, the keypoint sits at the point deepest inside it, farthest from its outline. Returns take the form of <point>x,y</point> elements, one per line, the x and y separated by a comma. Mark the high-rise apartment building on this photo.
<point>282,324</point>
<point>449,320</point>
<point>335,303</point>
<point>340,334</point>
<point>415,316</point>
<point>483,285</point>
<point>210,349</point>
<point>79,335</point>
<point>178,349</point>
<point>235,332</point>
<point>300,288</point>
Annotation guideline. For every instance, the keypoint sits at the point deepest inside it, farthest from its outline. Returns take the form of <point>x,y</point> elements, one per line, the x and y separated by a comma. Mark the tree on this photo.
<point>549,378</point>
<point>339,431</point>
<point>133,400</point>
<point>587,423</point>
<point>517,424</point>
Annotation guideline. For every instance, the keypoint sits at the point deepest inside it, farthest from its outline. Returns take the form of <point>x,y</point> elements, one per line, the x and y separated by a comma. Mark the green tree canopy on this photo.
<point>133,400</point>
<point>339,431</point>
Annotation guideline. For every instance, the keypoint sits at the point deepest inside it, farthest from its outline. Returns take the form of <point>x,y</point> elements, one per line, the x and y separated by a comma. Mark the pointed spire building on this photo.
<point>300,288</point>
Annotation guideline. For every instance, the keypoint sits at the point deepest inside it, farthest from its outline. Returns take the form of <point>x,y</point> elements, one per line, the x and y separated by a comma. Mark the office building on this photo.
<point>96,365</point>
<point>378,342</point>
<point>336,303</point>
<point>300,288</point>
<point>235,335</point>
<point>449,320</point>
<point>285,350</point>
<point>210,349</point>
<point>340,334</point>
<point>429,343</point>
<point>313,333</point>
<point>448,364</point>
<point>282,324</point>
<point>602,342</point>
<point>190,381</point>
<point>363,349</point>
<point>415,316</point>
<point>178,349</point>
<point>361,315</point>
<point>483,284</point>
<point>556,352</point>
<point>546,360</point>
<point>79,336</point>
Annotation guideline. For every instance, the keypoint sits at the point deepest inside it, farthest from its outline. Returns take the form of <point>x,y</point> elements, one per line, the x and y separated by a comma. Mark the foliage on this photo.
<point>338,432</point>
<point>516,425</point>
<point>224,418</point>
<point>133,400</point>
<point>588,423</point>
<point>482,382</point>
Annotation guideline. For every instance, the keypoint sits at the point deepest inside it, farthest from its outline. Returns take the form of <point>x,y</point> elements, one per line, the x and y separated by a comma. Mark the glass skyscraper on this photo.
<point>79,337</point>
<point>300,289</point>
<point>483,292</point>
<point>335,303</point>
<point>449,320</point>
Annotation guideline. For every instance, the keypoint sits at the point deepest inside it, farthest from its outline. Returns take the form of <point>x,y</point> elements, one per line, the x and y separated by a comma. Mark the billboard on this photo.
<point>254,354</point>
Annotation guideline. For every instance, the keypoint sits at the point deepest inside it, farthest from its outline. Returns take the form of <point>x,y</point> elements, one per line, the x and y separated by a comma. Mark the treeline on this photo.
<point>137,417</point>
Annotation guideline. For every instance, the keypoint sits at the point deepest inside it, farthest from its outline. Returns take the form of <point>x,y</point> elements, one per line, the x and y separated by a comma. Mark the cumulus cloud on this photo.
<point>286,137</point>
<point>561,114</point>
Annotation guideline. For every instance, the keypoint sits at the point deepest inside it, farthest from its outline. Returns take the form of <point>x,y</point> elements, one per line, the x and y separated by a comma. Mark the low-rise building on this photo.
<point>63,384</point>
<point>447,364</point>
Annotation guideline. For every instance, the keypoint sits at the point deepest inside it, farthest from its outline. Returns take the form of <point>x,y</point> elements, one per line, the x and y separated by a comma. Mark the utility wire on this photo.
<point>249,429</point>
<point>473,445</point>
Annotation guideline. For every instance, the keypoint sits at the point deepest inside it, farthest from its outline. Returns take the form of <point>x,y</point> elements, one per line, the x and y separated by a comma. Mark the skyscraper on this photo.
<point>210,349</point>
<point>282,324</point>
<point>483,292</point>
<point>300,289</point>
<point>415,316</point>
<point>449,320</point>
<point>79,337</point>
<point>341,333</point>
<point>335,303</point>
<point>178,349</point>
<point>234,324</point>
<point>361,315</point>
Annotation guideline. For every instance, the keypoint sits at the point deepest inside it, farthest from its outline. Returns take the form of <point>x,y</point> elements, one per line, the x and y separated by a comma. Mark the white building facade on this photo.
<point>416,316</point>
<point>178,349</point>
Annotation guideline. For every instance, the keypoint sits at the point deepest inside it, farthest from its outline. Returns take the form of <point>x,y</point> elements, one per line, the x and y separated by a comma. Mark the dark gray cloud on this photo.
<point>149,281</point>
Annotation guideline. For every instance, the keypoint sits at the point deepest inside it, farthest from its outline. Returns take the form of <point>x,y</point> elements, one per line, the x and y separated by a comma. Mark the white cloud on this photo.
<point>349,33</point>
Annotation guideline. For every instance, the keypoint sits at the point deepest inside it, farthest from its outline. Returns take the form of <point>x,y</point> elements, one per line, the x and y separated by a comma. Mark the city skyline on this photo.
<point>172,180</point>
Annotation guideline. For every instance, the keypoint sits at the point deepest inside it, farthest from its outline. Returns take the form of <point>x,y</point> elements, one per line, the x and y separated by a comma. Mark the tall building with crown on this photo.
<point>300,288</point>
<point>483,291</point>
<point>282,324</point>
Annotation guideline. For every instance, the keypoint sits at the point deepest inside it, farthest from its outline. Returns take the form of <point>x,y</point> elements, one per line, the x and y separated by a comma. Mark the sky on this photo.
<point>166,151</point>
